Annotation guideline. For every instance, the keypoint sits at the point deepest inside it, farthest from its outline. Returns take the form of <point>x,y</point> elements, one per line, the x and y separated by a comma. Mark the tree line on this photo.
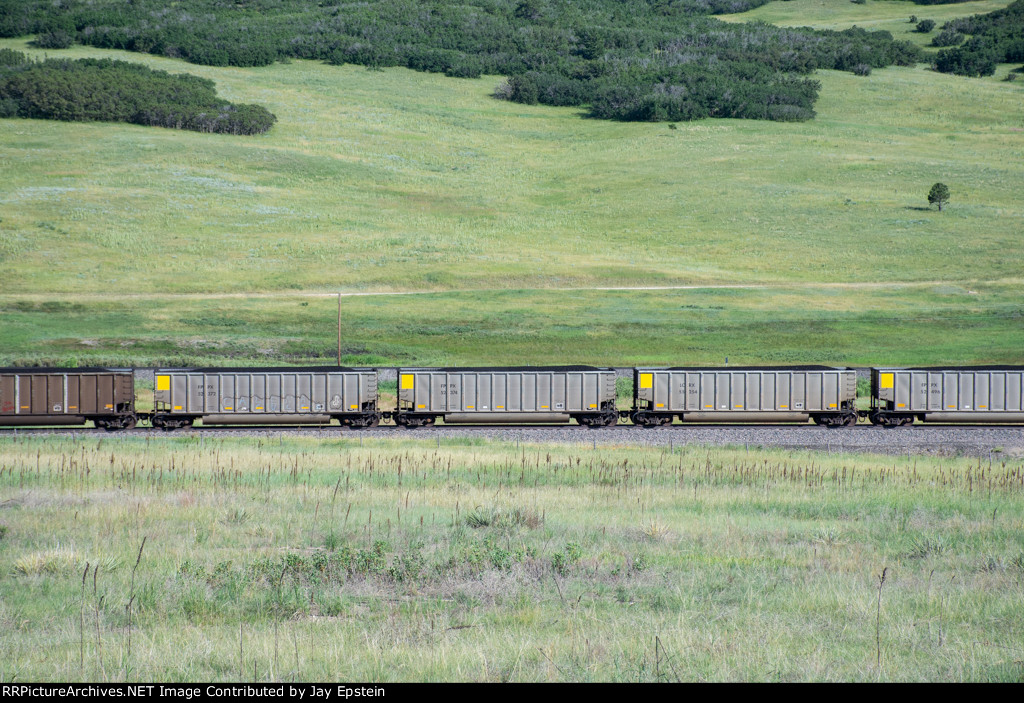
<point>622,59</point>
<point>996,37</point>
<point>118,91</point>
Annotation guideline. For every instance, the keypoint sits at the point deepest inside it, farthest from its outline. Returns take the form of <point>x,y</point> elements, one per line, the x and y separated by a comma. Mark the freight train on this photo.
<point>551,395</point>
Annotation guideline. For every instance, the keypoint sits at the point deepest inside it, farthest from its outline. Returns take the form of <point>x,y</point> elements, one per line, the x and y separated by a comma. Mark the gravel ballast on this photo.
<point>939,440</point>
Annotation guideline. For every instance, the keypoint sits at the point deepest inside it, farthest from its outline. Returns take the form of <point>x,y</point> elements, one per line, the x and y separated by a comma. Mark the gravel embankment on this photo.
<point>950,440</point>
<point>915,440</point>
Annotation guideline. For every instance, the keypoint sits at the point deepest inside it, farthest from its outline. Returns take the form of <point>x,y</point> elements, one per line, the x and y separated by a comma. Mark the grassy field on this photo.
<point>395,180</point>
<point>385,181</point>
<point>913,324</point>
<point>360,559</point>
<point>890,15</point>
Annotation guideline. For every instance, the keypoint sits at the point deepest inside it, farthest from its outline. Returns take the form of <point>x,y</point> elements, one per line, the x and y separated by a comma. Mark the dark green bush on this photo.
<point>972,59</point>
<point>57,39</point>
<point>9,57</point>
<point>947,37</point>
<point>8,107</point>
<point>118,91</point>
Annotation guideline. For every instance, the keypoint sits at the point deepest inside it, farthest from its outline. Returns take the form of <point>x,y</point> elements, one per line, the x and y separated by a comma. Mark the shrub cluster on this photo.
<point>947,37</point>
<point>118,91</point>
<point>379,562</point>
<point>997,37</point>
<point>626,59</point>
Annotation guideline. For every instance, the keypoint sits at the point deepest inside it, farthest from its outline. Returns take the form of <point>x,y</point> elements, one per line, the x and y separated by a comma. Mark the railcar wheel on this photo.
<point>644,419</point>
<point>891,421</point>
<point>168,424</point>
<point>833,421</point>
<point>880,420</point>
<point>413,422</point>
<point>360,422</point>
<point>117,422</point>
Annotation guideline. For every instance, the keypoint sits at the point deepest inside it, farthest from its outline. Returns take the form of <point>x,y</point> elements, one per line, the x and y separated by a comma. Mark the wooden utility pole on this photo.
<point>339,329</point>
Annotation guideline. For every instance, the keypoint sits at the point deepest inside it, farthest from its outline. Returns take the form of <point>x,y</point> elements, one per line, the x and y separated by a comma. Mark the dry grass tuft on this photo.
<point>655,531</point>
<point>57,560</point>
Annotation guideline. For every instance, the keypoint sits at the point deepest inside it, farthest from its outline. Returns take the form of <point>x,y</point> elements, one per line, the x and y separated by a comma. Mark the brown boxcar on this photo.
<point>41,396</point>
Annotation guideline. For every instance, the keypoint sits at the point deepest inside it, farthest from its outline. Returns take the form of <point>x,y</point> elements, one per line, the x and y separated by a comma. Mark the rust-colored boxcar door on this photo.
<point>7,395</point>
<point>88,394</point>
<point>105,390</point>
<point>55,395</point>
<point>37,395</point>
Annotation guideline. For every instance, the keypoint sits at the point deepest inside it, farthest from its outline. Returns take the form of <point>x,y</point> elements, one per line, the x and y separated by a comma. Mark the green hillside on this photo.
<point>399,181</point>
<point>890,15</point>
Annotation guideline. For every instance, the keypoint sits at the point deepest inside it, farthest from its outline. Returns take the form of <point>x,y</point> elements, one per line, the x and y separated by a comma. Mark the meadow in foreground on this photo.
<point>193,558</point>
